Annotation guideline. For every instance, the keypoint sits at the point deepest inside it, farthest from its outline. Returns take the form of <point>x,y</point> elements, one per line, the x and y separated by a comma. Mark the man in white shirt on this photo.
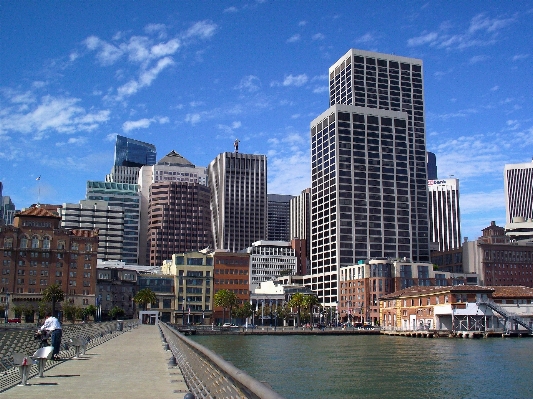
<point>53,327</point>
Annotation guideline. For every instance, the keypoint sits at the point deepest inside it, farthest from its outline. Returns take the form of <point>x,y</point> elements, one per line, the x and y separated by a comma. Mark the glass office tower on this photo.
<point>130,152</point>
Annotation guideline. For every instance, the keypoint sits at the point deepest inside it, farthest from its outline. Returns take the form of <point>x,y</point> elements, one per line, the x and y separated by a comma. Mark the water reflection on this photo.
<point>382,366</point>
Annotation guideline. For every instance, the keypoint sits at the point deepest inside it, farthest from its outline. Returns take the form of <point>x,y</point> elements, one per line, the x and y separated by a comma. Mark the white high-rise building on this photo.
<point>369,181</point>
<point>97,214</point>
<point>518,183</point>
<point>238,184</point>
<point>269,260</point>
<point>444,214</point>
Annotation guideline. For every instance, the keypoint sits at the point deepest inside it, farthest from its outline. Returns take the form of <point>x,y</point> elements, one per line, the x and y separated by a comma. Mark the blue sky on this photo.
<point>192,76</point>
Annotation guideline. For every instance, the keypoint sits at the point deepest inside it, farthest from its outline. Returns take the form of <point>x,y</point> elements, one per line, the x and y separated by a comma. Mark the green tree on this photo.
<point>28,312</point>
<point>69,312</point>
<point>244,311</point>
<point>297,301</point>
<point>42,308</point>
<point>90,311</point>
<point>116,312</point>
<point>310,301</point>
<point>53,293</point>
<point>225,299</point>
<point>144,297</point>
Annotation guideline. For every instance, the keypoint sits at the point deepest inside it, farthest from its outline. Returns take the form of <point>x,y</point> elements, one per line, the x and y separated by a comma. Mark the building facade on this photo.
<point>179,219</point>
<point>431,160</point>
<point>193,278</point>
<point>300,218</point>
<point>97,215</point>
<point>127,197</point>
<point>362,285</point>
<point>444,214</point>
<point>497,260</point>
<point>238,184</point>
<point>518,185</point>
<point>8,210</point>
<point>37,253</point>
<point>269,260</point>
<point>232,273</point>
<point>369,180</point>
<point>116,287</point>
<point>278,218</point>
<point>135,153</point>
<point>171,168</point>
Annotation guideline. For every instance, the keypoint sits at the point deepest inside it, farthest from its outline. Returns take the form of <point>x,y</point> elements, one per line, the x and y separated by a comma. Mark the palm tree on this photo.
<point>297,301</point>
<point>225,299</point>
<point>144,297</point>
<point>309,302</point>
<point>53,293</point>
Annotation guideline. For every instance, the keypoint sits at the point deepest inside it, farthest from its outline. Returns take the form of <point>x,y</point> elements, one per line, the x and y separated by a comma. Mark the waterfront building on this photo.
<point>458,309</point>
<point>278,221</point>
<point>238,184</point>
<point>116,286</point>
<point>179,219</point>
<point>171,168</point>
<point>164,289</point>
<point>8,210</point>
<point>232,273</point>
<point>497,260</point>
<point>37,252</point>
<point>192,275</point>
<point>444,214</point>
<point>97,215</point>
<point>431,160</point>
<point>363,284</point>
<point>518,184</point>
<point>127,197</point>
<point>300,218</point>
<point>369,180</point>
<point>269,260</point>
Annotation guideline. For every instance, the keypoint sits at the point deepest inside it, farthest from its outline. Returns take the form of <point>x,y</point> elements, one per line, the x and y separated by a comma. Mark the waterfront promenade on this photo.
<point>133,365</point>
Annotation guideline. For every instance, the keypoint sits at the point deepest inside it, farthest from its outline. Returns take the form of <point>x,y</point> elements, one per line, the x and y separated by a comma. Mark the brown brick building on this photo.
<point>232,272</point>
<point>37,252</point>
<point>179,220</point>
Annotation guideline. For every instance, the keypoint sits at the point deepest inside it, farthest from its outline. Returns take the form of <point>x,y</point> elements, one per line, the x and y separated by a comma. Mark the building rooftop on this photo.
<point>424,290</point>
<point>512,292</point>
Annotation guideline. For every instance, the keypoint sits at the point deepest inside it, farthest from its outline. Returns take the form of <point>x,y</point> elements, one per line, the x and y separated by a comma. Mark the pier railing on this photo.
<point>207,375</point>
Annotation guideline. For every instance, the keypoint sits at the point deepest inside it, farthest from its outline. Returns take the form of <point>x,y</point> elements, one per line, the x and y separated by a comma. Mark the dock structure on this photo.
<point>133,365</point>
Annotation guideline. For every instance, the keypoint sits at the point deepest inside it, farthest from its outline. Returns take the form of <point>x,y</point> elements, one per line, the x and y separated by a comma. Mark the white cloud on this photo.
<point>478,58</point>
<point>367,38</point>
<point>482,31</point>
<point>195,104</point>
<point>520,57</point>
<point>294,38</point>
<point>193,119</point>
<point>111,137</point>
<point>201,30</point>
<point>231,9</point>
<point>159,29</point>
<point>494,88</point>
<point>78,141</point>
<point>298,80</point>
<point>249,83</point>
<point>60,114</point>
<point>145,79</point>
<point>143,123</point>
<point>106,53</point>
<point>318,36</point>
<point>302,23</point>
<point>321,89</point>
<point>487,201</point>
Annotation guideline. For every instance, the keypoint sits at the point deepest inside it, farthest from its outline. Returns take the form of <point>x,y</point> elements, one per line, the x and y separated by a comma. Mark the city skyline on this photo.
<point>186,74</point>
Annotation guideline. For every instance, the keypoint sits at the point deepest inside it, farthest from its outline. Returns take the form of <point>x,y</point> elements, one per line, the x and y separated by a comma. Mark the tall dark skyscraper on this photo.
<point>279,214</point>
<point>130,152</point>
<point>238,184</point>
<point>369,181</point>
<point>432,166</point>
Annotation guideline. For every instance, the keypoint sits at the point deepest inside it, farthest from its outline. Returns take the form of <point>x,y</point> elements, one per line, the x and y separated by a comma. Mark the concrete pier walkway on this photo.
<point>132,365</point>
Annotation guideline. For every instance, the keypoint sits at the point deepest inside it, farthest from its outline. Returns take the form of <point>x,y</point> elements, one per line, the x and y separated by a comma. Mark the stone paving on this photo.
<point>132,365</point>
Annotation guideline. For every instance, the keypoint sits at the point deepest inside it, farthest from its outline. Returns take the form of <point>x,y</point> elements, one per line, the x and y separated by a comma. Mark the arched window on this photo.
<point>46,242</point>
<point>35,242</point>
<point>24,242</point>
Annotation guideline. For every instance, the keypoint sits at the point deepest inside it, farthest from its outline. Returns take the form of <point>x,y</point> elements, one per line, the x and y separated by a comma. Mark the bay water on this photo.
<point>370,366</point>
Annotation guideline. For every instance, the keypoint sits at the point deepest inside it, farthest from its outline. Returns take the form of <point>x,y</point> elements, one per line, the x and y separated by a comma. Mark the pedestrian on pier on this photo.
<point>53,329</point>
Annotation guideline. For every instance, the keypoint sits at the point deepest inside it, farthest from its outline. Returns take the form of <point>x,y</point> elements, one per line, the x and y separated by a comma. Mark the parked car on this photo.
<point>16,320</point>
<point>229,325</point>
<point>249,325</point>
